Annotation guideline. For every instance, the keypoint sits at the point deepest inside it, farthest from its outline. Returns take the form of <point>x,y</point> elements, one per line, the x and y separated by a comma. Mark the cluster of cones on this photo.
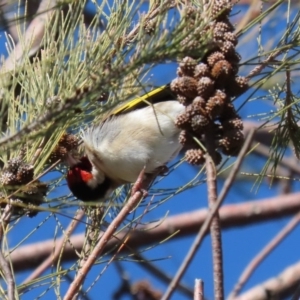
<point>19,187</point>
<point>207,87</point>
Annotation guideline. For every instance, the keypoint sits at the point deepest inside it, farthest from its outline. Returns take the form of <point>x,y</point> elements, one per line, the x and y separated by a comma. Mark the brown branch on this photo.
<point>33,36</point>
<point>107,235</point>
<point>257,70</point>
<point>233,215</point>
<point>215,229</point>
<point>250,15</point>
<point>215,233</point>
<point>279,287</point>
<point>199,290</point>
<point>263,254</point>
<point>5,266</point>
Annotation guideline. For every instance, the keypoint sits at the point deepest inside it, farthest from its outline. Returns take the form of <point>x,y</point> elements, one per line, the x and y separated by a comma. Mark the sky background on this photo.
<point>240,244</point>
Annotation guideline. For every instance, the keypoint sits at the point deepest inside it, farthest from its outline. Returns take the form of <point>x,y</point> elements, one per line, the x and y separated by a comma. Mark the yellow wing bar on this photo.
<point>160,94</point>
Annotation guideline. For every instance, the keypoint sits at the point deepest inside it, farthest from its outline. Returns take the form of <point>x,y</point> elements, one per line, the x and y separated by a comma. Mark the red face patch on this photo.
<point>80,173</point>
<point>85,176</point>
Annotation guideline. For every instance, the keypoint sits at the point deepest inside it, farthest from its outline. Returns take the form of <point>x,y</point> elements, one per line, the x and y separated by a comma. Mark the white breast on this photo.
<point>123,145</point>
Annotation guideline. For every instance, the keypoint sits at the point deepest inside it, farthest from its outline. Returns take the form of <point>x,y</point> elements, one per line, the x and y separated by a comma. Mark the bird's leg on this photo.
<point>162,171</point>
<point>140,184</point>
<point>144,181</point>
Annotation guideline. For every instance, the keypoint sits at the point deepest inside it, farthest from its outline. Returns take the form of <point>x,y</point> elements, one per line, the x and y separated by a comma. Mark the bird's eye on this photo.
<point>85,164</point>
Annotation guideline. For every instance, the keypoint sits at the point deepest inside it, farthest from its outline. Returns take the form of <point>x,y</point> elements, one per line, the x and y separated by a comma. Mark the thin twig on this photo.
<point>206,224</point>
<point>38,151</point>
<point>257,70</point>
<point>263,254</point>
<point>199,290</point>
<point>215,228</point>
<point>52,258</point>
<point>127,209</point>
<point>152,268</point>
<point>5,266</point>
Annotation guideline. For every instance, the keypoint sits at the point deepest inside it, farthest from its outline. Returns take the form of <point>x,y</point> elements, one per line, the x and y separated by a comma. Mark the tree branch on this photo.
<point>233,215</point>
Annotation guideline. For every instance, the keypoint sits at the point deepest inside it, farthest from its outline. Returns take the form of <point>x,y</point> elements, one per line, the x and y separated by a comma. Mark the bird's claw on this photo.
<point>162,171</point>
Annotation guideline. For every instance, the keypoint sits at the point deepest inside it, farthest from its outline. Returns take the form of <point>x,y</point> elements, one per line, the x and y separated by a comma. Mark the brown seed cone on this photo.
<point>179,72</point>
<point>221,9</point>
<point>190,11</point>
<point>183,99</point>
<point>186,139</point>
<point>8,178</point>
<point>187,66</point>
<point>232,142</point>
<point>195,156</point>
<point>71,142</point>
<point>205,87</point>
<point>227,48</point>
<point>215,57</point>
<point>222,70</point>
<point>183,121</point>
<point>220,28</point>
<point>186,86</point>
<point>199,123</point>
<point>25,174</point>
<point>190,111</point>
<point>59,152</point>
<point>231,37</point>
<point>215,104</point>
<point>235,123</point>
<point>201,70</point>
<point>183,137</point>
<point>199,104</point>
<point>14,164</point>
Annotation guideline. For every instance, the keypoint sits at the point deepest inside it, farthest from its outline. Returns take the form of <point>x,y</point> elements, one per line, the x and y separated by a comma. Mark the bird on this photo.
<point>133,138</point>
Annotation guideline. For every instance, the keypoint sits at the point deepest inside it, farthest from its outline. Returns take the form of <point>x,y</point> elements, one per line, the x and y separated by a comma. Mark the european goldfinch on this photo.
<point>118,149</point>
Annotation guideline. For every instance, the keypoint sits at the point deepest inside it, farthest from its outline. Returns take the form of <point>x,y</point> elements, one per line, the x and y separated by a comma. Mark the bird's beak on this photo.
<point>70,160</point>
